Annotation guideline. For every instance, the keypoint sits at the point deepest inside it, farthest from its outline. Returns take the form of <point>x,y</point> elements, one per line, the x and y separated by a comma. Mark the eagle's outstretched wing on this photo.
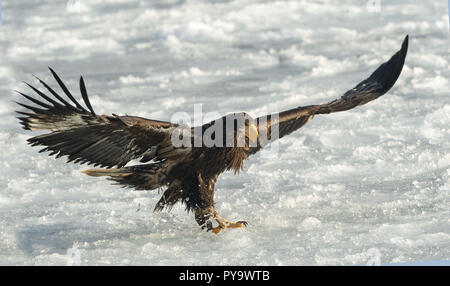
<point>369,89</point>
<point>85,137</point>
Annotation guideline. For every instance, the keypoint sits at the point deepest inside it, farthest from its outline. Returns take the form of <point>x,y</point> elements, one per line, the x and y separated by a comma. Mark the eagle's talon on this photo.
<point>221,222</point>
<point>243,222</point>
<point>238,224</point>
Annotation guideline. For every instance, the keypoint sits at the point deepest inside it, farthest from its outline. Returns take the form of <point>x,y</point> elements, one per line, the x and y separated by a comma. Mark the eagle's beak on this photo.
<point>252,133</point>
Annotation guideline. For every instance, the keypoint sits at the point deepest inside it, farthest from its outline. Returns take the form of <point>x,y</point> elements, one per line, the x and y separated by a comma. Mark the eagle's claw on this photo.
<point>223,224</point>
<point>242,222</point>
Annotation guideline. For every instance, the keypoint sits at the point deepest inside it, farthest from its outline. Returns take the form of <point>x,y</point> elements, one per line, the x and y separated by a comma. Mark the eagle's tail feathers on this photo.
<point>113,172</point>
<point>140,177</point>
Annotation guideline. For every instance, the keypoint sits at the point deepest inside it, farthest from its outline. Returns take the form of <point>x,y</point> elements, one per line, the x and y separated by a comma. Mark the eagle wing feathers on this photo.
<point>377,84</point>
<point>85,137</point>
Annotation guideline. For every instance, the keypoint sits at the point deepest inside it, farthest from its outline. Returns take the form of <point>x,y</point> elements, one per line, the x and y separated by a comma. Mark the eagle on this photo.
<point>185,162</point>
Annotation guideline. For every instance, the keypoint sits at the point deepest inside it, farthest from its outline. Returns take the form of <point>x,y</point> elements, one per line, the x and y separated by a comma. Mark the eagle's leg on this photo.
<point>204,217</point>
<point>207,214</point>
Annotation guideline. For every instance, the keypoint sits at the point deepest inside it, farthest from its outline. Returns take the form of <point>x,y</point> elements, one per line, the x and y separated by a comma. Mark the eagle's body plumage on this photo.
<point>188,172</point>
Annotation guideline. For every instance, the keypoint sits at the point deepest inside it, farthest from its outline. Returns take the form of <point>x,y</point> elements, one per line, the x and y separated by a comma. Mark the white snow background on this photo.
<point>371,181</point>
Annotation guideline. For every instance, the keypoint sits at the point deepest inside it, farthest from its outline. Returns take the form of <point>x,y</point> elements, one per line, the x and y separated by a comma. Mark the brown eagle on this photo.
<point>176,157</point>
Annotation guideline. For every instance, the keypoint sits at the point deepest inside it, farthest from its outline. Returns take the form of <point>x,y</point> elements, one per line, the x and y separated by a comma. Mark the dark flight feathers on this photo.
<point>85,137</point>
<point>379,82</point>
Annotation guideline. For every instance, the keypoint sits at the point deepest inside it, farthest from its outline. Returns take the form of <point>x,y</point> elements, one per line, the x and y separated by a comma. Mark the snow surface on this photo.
<point>373,181</point>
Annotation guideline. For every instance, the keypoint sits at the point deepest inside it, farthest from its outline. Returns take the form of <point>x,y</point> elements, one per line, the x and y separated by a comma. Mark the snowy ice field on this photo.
<point>363,186</point>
